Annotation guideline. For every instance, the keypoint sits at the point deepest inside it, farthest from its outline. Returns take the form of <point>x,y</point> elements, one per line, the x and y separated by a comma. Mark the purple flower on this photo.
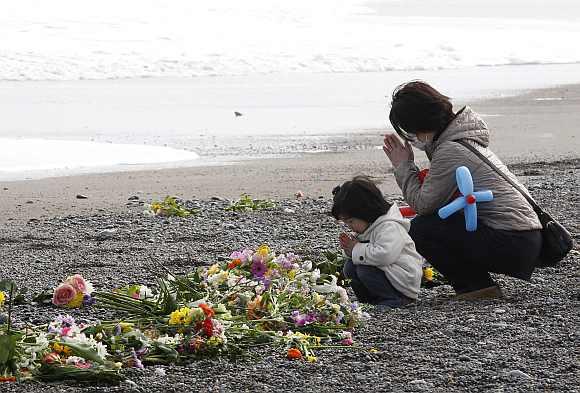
<point>241,255</point>
<point>298,318</point>
<point>65,320</point>
<point>136,361</point>
<point>310,317</point>
<point>88,300</point>
<point>303,319</point>
<point>266,282</point>
<point>284,262</point>
<point>258,268</point>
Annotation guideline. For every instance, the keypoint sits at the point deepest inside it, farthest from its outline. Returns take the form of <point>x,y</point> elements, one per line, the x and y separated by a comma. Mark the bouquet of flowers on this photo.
<point>169,207</point>
<point>254,298</point>
<point>74,292</point>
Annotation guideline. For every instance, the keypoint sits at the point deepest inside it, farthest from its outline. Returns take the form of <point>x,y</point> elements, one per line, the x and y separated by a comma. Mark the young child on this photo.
<point>384,266</point>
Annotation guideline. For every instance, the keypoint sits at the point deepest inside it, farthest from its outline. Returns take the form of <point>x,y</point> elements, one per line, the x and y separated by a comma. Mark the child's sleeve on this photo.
<point>384,249</point>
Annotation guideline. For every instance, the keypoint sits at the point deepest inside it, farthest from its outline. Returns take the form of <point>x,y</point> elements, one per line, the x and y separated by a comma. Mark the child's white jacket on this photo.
<point>389,247</point>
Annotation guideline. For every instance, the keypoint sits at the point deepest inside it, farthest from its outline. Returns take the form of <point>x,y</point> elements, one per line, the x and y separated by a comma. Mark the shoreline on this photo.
<point>538,125</point>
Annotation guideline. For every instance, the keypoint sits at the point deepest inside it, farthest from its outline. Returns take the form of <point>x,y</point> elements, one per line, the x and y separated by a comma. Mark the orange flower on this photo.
<point>8,379</point>
<point>51,358</point>
<point>207,310</point>
<point>234,263</point>
<point>254,307</point>
<point>294,353</point>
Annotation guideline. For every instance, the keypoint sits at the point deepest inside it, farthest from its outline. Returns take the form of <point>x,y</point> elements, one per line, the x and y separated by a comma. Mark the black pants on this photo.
<point>466,258</point>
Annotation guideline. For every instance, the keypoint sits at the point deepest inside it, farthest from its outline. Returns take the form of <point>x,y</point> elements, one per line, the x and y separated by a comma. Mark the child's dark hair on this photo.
<point>359,198</point>
<point>416,107</point>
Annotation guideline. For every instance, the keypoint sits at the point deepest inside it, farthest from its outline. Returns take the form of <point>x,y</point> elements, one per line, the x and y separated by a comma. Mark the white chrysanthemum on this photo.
<point>74,360</point>
<point>342,294</point>
<point>169,340</point>
<point>101,350</point>
<point>89,287</point>
<point>145,292</point>
<point>314,276</point>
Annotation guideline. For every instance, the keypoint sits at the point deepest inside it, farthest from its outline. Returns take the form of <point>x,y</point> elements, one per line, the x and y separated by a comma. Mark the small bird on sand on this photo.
<point>238,114</point>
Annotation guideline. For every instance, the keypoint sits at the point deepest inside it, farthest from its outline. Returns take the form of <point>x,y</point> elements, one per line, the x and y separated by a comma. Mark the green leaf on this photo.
<point>7,286</point>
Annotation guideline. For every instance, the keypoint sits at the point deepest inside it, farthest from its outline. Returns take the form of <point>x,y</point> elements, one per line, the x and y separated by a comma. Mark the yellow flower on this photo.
<point>263,250</point>
<point>2,298</point>
<point>292,274</point>
<point>62,349</point>
<point>373,350</point>
<point>311,358</point>
<point>428,273</point>
<point>214,341</point>
<point>318,299</point>
<point>180,317</point>
<point>76,302</point>
<point>126,326</point>
<point>213,269</point>
<point>156,207</point>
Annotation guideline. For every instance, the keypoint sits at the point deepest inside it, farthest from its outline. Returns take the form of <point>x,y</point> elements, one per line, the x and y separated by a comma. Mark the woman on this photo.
<point>507,239</point>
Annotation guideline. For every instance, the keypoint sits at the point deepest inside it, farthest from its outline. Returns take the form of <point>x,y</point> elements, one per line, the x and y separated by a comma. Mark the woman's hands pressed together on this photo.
<point>396,151</point>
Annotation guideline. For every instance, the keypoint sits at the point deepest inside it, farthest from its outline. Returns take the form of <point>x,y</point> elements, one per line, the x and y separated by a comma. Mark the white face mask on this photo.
<point>419,145</point>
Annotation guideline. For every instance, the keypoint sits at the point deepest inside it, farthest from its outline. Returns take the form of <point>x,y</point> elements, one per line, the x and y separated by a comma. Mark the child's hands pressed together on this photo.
<point>347,243</point>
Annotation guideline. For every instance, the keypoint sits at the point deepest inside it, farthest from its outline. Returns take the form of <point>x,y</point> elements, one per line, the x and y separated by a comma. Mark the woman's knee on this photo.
<point>423,226</point>
<point>349,269</point>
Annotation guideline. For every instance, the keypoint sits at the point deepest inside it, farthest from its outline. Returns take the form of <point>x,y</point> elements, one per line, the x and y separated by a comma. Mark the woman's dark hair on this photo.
<point>416,106</point>
<point>359,198</point>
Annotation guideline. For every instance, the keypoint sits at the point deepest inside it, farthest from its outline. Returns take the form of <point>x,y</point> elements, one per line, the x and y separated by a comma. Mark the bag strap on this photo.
<point>537,209</point>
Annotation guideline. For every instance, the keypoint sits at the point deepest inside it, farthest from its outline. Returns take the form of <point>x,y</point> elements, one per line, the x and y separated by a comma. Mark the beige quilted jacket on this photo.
<point>508,211</point>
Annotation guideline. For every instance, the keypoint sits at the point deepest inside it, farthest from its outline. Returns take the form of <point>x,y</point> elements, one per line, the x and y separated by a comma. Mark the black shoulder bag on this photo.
<point>556,240</point>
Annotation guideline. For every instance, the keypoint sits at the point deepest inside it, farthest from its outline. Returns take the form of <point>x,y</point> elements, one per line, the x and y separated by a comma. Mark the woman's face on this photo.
<point>425,136</point>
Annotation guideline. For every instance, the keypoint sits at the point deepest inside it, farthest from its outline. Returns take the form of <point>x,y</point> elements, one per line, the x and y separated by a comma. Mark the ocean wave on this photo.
<point>130,39</point>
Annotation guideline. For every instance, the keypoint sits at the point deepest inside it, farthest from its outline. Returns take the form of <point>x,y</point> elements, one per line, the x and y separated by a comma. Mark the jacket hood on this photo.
<point>393,214</point>
<point>466,125</point>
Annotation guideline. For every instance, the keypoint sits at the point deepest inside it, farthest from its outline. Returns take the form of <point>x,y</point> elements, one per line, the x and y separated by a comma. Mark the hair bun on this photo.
<point>335,190</point>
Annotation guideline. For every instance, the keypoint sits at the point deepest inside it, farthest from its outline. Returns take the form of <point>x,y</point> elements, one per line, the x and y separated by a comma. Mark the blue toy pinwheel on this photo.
<point>468,199</point>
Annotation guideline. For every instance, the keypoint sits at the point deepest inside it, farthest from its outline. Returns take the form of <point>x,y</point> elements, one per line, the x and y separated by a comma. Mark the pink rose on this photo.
<point>78,282</point>
<point>63,294</point>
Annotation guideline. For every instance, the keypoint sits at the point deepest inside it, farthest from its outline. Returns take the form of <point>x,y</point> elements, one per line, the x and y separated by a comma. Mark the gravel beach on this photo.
<point>526,342</point>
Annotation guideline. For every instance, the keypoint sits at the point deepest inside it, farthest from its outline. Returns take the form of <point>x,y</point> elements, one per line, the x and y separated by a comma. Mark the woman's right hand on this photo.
<point>396,151</point>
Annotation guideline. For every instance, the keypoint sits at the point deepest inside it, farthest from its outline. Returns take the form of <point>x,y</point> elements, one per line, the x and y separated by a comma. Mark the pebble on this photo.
<point>106,234</point>
<point>133,198</point>
<point>518,374</point>
<point>410,333</point>
<point>288,210</point>
<point>160,371</point>
<point>499,311</point>
<point>81,196</point>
